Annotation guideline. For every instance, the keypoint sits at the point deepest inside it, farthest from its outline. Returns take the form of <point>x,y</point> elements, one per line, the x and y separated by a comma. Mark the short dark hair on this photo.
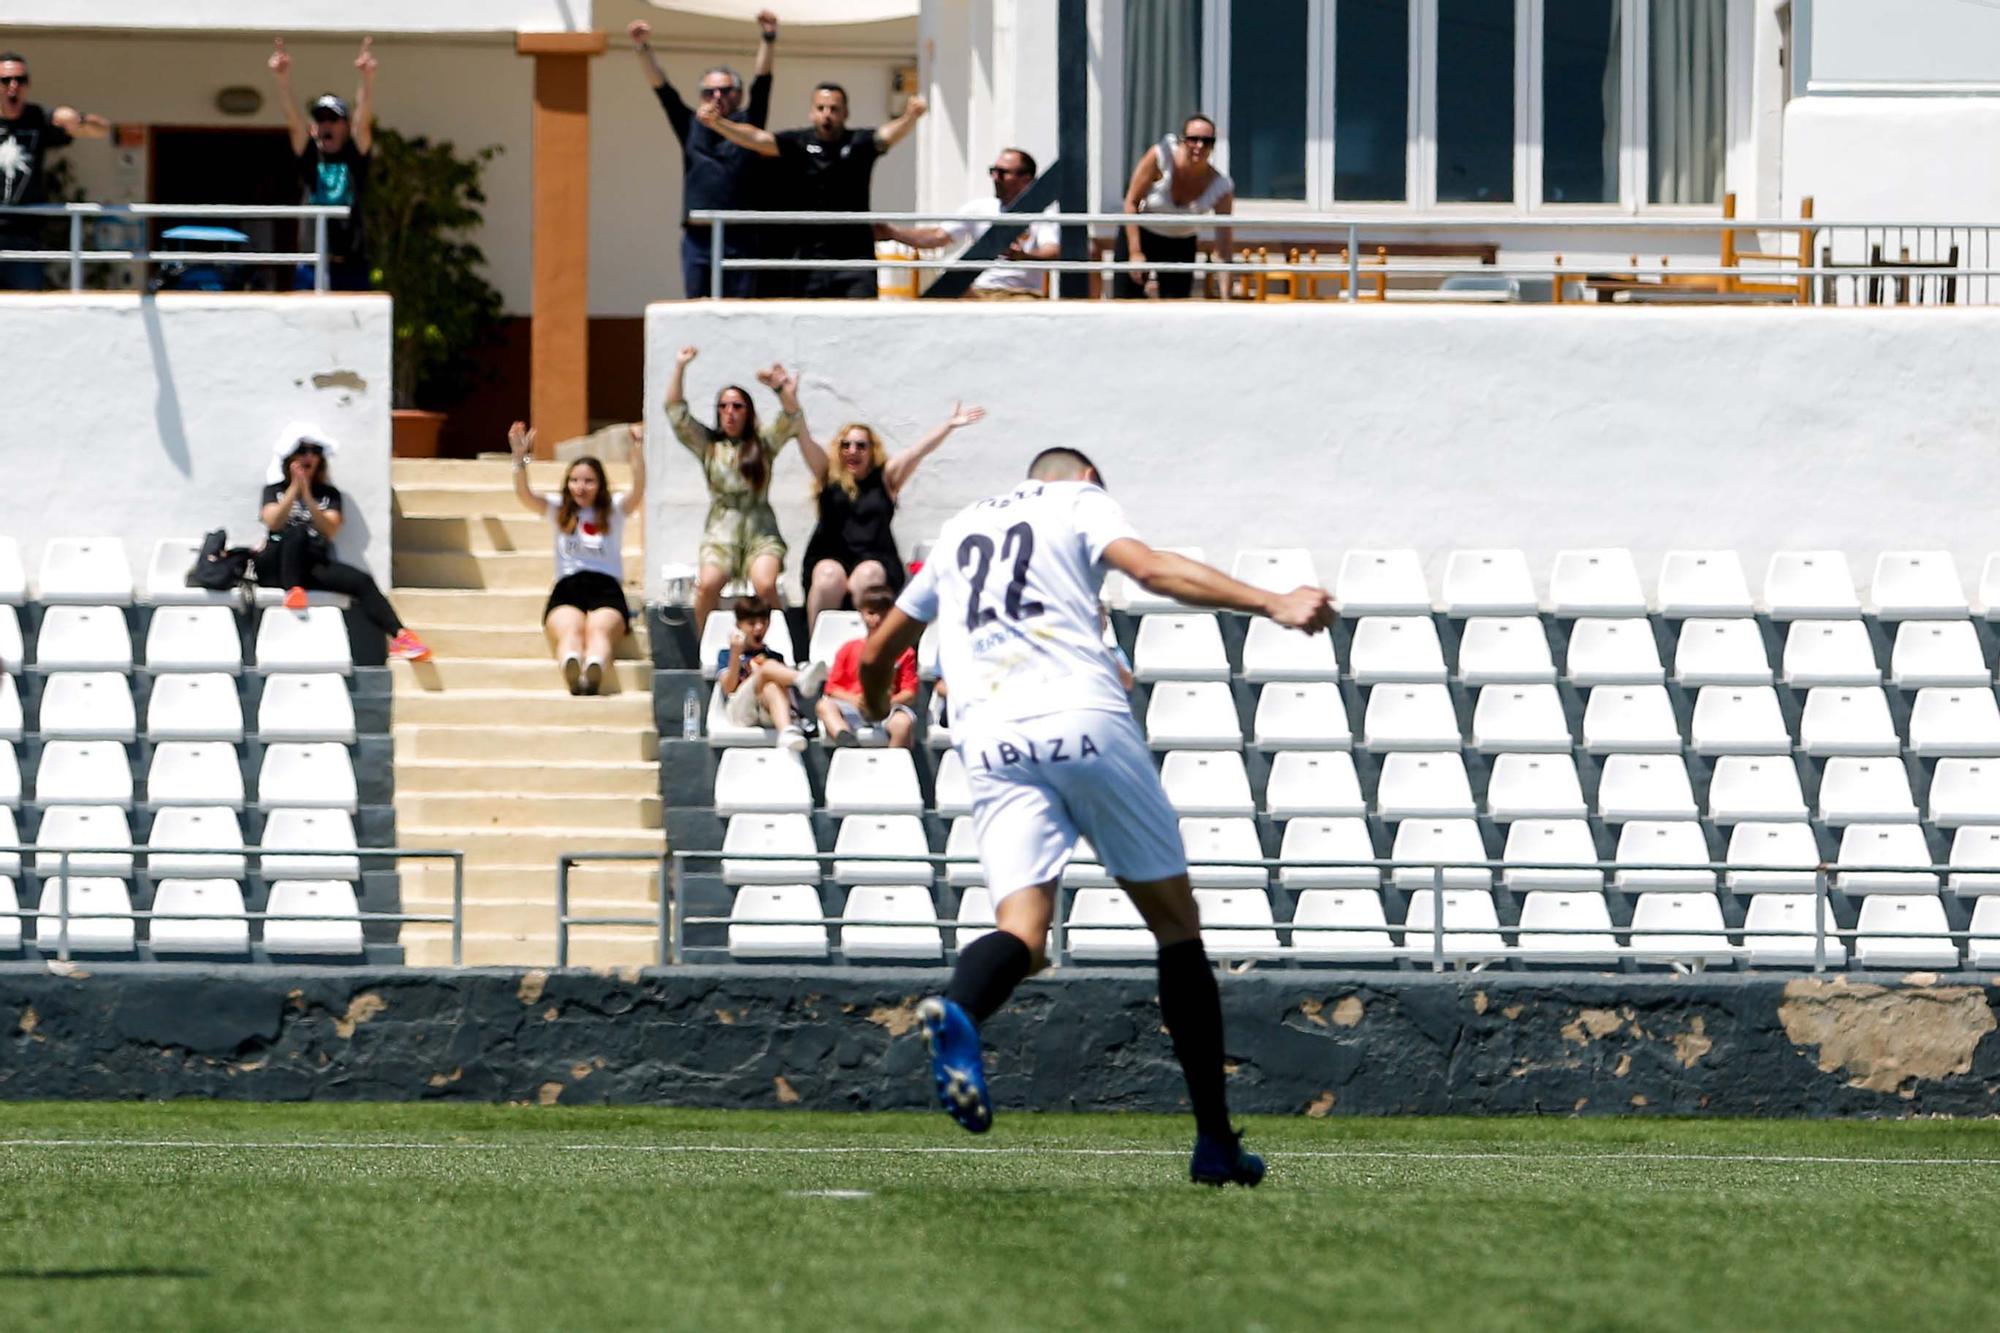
<point>14,56</point>
<point>831,87</point>
<point>1201,116</point>
<point>878,598</point>
<point>1060,464</point>
<point>752,608</point>
<point>1027,160</point>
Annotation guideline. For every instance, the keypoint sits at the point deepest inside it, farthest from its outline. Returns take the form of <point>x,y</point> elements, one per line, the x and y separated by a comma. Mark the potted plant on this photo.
<point>423,207</point>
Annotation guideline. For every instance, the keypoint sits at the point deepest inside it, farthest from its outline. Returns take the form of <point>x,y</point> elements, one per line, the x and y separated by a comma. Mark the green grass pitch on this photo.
<point>209,1215</point>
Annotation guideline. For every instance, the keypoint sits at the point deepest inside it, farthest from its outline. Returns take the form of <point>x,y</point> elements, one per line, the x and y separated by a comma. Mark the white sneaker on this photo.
<point>572,671</point>
<point>793,738</point>
<point>811,681</point>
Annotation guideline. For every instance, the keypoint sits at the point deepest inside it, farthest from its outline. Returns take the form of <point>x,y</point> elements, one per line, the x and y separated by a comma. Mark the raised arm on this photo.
<point>80,124</point>
<point>521,443</point>
<point>1143,175</point>
<point>280,65</point>
<point>676,392</point>
<point>1195,584</point>
<point>1225,238</point>
<point>888,136</point>
<point>364,98</point>
<point>754,137</point>
<point>785,383</point>
<point>898,632</point>
<point>636,459</point>
<point>896,473</point>
<point>767,43</point>
<point>641,33</point>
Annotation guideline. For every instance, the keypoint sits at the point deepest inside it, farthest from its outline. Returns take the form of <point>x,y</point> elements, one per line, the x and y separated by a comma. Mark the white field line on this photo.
<point>1024,1150</point>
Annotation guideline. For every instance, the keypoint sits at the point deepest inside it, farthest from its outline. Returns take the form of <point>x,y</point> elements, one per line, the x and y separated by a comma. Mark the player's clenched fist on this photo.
<point>1308,609</point>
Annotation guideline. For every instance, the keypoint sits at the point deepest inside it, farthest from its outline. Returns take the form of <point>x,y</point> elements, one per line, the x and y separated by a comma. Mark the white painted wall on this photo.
<point>1894,159</point>
<point>1428,427</point>
<point>156,418</point>
<point>1910,42</point>
<point>305,15</point>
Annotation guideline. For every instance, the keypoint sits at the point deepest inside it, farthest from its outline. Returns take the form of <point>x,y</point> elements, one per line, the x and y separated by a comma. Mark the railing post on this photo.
<point>1819,919</point>
<point>76,252</point>
<point>1437,913</point>
<point>1354,262</point>
<point>1058,950</point>
<point>322,280</point>
<point>458,909</point>
<point>562,911</point>
<point>668,950</point>
<point>62,906</point>
<point>715,260</point>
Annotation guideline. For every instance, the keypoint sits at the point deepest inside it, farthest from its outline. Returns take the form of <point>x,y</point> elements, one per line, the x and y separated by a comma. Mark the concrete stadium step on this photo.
<point>480,810</point>
<point>520,708</point>
<point>627,884</point>
<point>509,571</point>
<point>521,918</point>
<point>589,946</point>
<point>538,674</point>
<point>488,534</point>
<point>636,778</point>
<point>428,608</point>
<point>457,641</point>
<point>451,501</point>
<point>544,474</point>
<point>567,742</point>
<point>533,845</point>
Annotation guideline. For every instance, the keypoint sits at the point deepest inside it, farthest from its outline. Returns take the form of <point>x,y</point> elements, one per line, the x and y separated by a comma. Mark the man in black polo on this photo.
<point>715,173</point>
<point>826,169</point>
<point>28,131</point>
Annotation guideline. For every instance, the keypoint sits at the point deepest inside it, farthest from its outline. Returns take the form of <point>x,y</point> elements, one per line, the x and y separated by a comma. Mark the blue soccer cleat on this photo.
<point>956,1064</point>
<point>1221,1162</point>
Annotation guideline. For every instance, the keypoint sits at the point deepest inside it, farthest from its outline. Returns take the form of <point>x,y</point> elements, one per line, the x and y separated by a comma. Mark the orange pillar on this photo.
<point>559,351</point>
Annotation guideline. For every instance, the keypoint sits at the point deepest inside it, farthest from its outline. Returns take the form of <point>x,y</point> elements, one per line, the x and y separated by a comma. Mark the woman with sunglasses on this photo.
<point>856,485</point>
<point>302,515</point>
<point>1174,179</point>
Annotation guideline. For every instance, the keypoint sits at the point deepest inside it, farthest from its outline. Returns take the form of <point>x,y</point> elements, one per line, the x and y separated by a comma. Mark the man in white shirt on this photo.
<point>1045,729</point>
<point>1013,171</point>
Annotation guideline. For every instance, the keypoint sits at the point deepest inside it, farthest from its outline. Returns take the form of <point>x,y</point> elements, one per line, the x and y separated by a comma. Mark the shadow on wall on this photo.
<point>166,399</point>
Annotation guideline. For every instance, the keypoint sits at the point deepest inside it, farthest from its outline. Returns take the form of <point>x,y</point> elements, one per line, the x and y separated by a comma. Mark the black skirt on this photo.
<point>588,590</point>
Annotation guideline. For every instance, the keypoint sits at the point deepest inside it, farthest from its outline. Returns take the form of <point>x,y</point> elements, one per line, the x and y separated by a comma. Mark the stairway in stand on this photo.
<point>493,755</point>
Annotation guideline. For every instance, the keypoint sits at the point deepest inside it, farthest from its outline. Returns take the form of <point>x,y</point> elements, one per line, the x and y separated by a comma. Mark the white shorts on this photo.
<point>1037,785</point>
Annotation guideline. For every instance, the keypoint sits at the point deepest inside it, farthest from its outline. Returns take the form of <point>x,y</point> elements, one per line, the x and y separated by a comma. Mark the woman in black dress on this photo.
<point>857,483</point>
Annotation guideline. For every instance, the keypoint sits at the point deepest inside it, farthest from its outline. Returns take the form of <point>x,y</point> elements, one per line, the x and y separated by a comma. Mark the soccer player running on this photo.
<point>1052,750</point>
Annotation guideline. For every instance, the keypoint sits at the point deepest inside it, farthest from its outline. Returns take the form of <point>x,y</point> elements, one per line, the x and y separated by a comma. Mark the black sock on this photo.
<point>1191,1007</point>
<point>988,970</point>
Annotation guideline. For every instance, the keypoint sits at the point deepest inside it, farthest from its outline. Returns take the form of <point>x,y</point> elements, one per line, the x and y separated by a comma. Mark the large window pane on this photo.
<point>1580,99</point>
<point>1684,104</point>
<point>1475,101</point>
<point>1266,126</point>
<point>1162,70</point>
<point>1371,98</point>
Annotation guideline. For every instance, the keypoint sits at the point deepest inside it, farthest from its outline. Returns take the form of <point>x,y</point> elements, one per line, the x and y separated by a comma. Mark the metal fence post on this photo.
<point>76,252</point>
<point>1819,919</point>
<point>1058,950</point>
<point>62,906</point>
<point>1353,262</point>
<point>1437,918</point>
<point>715,260</point>
<point>562,911</point>
<point>458,909</point>
<point>664,891</point>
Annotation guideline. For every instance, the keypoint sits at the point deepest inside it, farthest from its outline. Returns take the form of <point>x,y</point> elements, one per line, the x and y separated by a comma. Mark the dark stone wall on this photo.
<point>1313,1043</point>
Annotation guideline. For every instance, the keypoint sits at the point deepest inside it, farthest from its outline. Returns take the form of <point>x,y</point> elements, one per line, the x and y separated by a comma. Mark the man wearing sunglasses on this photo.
<point>1012,172</point>
<point>715,172</point>
<point>333,156</point>
<point>27,132</point>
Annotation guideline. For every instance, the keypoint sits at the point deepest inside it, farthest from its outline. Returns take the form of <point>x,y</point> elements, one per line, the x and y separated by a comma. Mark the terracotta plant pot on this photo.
<point>414,433</point>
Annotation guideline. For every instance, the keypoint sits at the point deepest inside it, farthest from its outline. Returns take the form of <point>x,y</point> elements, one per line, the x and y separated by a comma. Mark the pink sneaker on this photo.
<point>409,647</point>
<point>295,599</point>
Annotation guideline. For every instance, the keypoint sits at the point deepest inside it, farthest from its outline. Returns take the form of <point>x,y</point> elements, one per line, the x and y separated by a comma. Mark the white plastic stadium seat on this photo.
<point>1345,839</point>
<point>1679,928</point>
<point>1538,849</point>
<point>1830,652</point>
<point>721,732</point>
<point>194,638</point>
<point>1975,861</point>
<point>1810,585</point>
<point>1423,786</point>
<point>761,781</point>
<point>1883,845</point>
<point>1121,591</point>
<point>88,706</point>
<point>1105,926</point>
<point>1918,585</point>
<point>829,632</point>
<point>776,902</point>
<point>10,837</point>
<point>1844,719</point>
<point>1721,652</point>
<point>1193,715</point>
<point>10,709</point>
<point>1865,791</point>
<point>13,651</point>
<point>210,773</point>
<point>316,775</point>
<point>1739,719</point>
<point>84,773</point>
<point>1778,932</point>
<point>195,842</point>
<point>85,832</point>
<point>1755,788</point>
<point>1704,583</point>
<point>1989,587</point>
<point>1608,651</point>
<point>715,632</point>
<point>100,916</point>
<point>1277,568</point>
<point>1965,791</point>
<point>312,916</point>
<point>873,782</point>
<point>1646,845</point>
<point>166,576</point>
<point>1389,650</point>
<point>1410,717</point>
<point>1453,844</point>
<point>83,638</point>
<point>85,571</point>
<point>920,940</point>
<point>1237,923</point>
<point>1472,933</point>
<point>961,850</point>
<point>1897,930</point>
<point>1365,939</point>
<point>198,916</point>
<point>1272,652</point>
<point>1596,583</point>
<point>952,790</point>
<point>306,707</point>
<point>1983,948</point>
<point>10,776</point>
<point>1644,786</point>
<point>1549,915</point>
<point>1223,854</point>
<point>1313,782</point>
<point>1630,719</point>
<point>1534,786</point>
<point>882,835</point>
<point>1488,583</point>
<point>1179,647</point>
<point>193,707</point>
<point>975,917</point>
<point>10,924</point>
<point>1307,716</point>
<point>314,639</point>
<point>296,832</point>
<point>13,578</point>
<point>1516,718</point>
<point>1206,782</point>
<point>1084,870</point>
<point>1381,583</point>
<point>1955,722</point>
<point>1504,650</point>
<point>764,834</point>
<point>1937,652</point>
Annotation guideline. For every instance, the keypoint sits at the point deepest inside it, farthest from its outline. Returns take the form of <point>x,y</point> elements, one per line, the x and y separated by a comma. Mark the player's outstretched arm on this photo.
<point>898,632</point>
<point>1196,584</point>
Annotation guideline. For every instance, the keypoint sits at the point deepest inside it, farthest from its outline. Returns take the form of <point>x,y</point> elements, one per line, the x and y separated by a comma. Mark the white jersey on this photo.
<point>1013,586</point>
<point>596,545</point>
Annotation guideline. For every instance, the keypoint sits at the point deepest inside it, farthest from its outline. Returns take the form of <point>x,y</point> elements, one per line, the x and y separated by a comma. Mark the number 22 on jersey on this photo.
<point>975,561</point>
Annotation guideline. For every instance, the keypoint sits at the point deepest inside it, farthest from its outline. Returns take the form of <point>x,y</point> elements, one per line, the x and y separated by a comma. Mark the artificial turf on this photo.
<point>514,1217</point>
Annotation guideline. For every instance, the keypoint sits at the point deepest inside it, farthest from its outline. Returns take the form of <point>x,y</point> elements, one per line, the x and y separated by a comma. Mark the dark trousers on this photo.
<point>293,563</point>
<point>696,253</point>
<point>849,284</point>
<point>21,275</point>
<point>1166,249</point>
<point>342,275</point>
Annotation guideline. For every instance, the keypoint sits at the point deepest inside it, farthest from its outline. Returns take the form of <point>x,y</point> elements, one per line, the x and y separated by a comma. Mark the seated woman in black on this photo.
<point>302,516</point>
<point>857,484</point>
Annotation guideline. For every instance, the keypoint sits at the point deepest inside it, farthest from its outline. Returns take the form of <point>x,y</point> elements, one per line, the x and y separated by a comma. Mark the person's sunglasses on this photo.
<point>708,94</point>
<point>21,79</point>
<point>1205,140</point>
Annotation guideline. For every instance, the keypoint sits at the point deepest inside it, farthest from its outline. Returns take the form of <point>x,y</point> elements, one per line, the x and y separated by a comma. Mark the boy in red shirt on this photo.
<point>840,704</point>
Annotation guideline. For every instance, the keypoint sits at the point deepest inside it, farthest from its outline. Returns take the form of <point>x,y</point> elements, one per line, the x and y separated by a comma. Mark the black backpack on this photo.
<point>219,568</point>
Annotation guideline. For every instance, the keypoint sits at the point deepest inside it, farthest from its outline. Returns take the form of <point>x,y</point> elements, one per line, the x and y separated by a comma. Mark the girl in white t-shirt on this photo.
<point>586,613</point>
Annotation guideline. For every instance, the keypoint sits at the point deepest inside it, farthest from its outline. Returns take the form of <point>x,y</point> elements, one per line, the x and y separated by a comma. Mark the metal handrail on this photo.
<point>78,255</point>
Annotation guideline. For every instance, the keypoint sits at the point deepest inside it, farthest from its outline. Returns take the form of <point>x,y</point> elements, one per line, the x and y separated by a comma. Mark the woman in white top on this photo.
<point>586,613</point>
<point>1175,179</point>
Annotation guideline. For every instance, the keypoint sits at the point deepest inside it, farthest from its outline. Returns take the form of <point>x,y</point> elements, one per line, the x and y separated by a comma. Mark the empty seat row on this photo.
<point>196,842</point>
<point>316,774</point>
<point>90,705</point>
<point>94,571</point>
<point>190,638</point>
<point>189,916</point>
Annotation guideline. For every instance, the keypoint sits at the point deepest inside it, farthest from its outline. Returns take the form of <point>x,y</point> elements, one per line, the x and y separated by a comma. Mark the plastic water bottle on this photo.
<point>691,716</point>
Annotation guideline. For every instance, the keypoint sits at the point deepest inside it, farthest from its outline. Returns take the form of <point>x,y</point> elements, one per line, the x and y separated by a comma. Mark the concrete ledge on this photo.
<point>845,1039</point>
